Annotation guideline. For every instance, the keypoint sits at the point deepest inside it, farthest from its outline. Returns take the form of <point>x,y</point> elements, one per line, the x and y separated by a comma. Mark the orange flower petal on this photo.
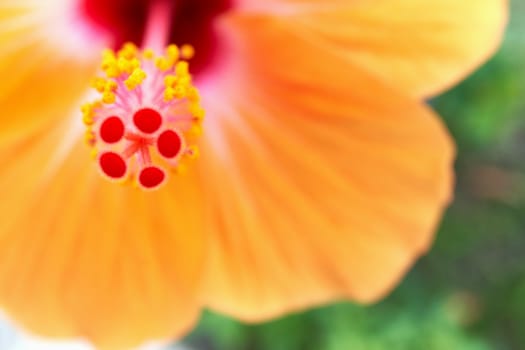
<point>423,47</point>
<point>80,256</point>
<point>322,181</point>
<point>39,72</point>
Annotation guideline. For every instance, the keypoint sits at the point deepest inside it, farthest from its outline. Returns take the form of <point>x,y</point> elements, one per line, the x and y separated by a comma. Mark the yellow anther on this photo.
<point>94,153</point>
<point>135,63</point>
<point>193,94</point>
<point>108,97</point>
<point>135,79</point>
<point>163,64</point>
<point>195,130</point>
<point>98,83</point>
<point>148,54</point>
<point>172,51</point>
<point>180,91</point>
<point>124,65</point>
<point>89,136</point>
<point>111,85</point>
<point>187,51</point>
<point>131,83</point>
<point>184,80</point>
<point>197,111</point>
<point>108,54</point>
<point>87,119</point>
<point>142,74</point>
<point>88,113</point>
<point>109,61</point>
<point>112,71</point>
<point>192,152</point>
<point>169,94</point>
<point>170,80</point>
<point>87,108</point>
<point>182,68</point>
<point>128,51</point>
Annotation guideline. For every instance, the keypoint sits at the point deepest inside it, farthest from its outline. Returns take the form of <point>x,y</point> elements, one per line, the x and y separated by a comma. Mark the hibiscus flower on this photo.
<point>321,174</point>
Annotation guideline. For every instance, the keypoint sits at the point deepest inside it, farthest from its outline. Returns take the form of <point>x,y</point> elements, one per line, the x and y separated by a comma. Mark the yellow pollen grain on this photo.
<point>170,80</point>
<point>124,65</point>
<point>88,119</point>
<point>111,86</point>
<point>180,92</point>
<point>169,94</point>
<point>108,97</point>
<point>197,111</point>
<point>193,94</point>
<point>163,64</point>
<point>184,80</point>
<point>113,71</point>
<point>195,130</point>
<point>87,108</point>
<point>172,52</point>
<point>128,51</point>
<point>98,83</point>
<point>135,79</point>
<point>187,51</point>
<point>192,152</point>
<point>148,54</point>
<point>182,68</point>
<point>89,136</point>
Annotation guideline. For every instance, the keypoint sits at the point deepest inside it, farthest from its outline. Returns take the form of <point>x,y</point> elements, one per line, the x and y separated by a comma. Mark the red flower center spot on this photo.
<point>169,144</point>
<point>113,165</point>
<point>151,177</point>
<point>147,120</point>
<point>193,22</point>
<point>112,130</point>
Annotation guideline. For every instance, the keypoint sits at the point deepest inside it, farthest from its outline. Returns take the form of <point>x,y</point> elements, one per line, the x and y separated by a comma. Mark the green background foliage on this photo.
<point>469,291</point>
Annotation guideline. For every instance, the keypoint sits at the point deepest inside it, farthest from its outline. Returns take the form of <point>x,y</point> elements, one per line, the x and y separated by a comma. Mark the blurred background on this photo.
<point>468,293</point>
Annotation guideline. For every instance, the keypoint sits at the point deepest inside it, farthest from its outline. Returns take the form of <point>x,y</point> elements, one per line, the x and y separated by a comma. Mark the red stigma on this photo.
<point>169,144</point>
<point>113,165</point>
<point>147,120</point>
<point>151,177</point>
<point>112,130</point>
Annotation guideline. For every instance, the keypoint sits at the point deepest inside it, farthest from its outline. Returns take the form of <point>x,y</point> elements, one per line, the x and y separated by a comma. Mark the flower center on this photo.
<point>191,22</point>
<point>148,116</point>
